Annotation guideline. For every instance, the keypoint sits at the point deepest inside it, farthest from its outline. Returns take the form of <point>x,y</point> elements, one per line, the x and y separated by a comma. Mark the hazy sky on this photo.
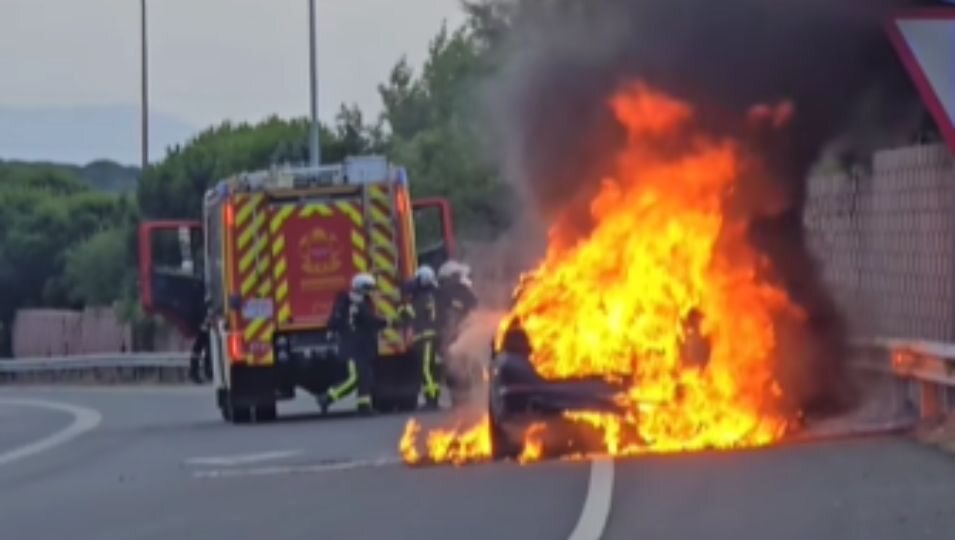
<point>209,59</point>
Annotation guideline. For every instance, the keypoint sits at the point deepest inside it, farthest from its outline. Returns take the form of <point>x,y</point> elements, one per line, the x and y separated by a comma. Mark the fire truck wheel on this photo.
<point>266,413</point>
<point>382,404</point>
<point>241,415</point>
<point>407,403</point>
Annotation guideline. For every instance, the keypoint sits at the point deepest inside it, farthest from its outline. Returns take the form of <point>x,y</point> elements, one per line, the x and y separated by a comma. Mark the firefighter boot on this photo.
<point>324,402</point>
<point>364,406</point>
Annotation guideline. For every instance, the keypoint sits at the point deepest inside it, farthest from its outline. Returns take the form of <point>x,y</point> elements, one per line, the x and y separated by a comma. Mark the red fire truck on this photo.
<point>265,264</point>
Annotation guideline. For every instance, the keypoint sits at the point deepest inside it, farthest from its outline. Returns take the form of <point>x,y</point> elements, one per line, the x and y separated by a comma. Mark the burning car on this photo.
<point>520,397</point>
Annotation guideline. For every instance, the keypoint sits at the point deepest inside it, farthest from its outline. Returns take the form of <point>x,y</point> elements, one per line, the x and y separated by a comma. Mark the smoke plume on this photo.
<point>829,59</point>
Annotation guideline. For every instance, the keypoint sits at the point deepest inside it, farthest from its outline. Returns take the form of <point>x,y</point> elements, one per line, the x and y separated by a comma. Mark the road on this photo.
<point>155,463</point>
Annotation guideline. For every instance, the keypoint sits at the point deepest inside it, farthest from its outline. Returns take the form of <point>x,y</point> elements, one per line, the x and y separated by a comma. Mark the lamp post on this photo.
<point>315,151</point>
<point>144,105</point>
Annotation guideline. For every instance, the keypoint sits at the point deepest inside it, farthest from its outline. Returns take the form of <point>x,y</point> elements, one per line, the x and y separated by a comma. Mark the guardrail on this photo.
<point>925,370</point>
<point>166,368</point>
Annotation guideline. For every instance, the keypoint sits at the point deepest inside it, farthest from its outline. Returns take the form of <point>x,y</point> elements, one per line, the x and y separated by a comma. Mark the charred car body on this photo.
<point>519,396</point>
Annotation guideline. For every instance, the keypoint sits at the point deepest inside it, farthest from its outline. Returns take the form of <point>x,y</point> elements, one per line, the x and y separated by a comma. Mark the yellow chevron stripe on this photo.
<point>357,240</point>
<point>379,193</point>
<point>282,291</point>
<point>265,288</point>
<point>279,218</point>
<point>248,204</point>
<point>250,231</point>
<point>386,308</point>
<point>361,264</point>
<point>279,269</point>
<point>378,239</point>
<point>322,209</point>
<point>252,330</point>
<point>350,210</point>
<point>248,283</point>
<point>278,244</point>
<point>378,216</point>
<point>382,263</point>
<point>387,287</point>
<point>285,313</point>
<point>250,255</point>
<point>391,334</point>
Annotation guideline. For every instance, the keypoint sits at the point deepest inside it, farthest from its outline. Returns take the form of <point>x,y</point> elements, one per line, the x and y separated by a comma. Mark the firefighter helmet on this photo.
<point>363,282</point>
<point>425,276</point>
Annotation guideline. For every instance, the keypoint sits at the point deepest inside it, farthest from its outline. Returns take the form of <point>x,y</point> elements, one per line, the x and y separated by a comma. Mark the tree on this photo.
<point>44,213</point>
<point>175,187</point>
<point>95,268</point>
<point>434,127</point>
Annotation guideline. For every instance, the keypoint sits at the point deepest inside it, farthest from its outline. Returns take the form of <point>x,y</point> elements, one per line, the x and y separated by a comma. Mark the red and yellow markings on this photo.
<point>252,258</point>
<point>383,254</point>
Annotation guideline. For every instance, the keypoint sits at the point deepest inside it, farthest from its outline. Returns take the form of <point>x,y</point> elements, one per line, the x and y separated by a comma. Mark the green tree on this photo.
<point>434,122</point>
<point>95,268</point>
<point>175,187</point>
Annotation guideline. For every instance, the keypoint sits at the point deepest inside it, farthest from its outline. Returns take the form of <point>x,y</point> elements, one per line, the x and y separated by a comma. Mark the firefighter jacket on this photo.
<point>421,310</point>
<point>354,320</point>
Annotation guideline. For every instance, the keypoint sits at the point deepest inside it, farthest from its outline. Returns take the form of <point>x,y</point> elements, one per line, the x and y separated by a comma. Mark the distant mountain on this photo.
<point>85,134</point>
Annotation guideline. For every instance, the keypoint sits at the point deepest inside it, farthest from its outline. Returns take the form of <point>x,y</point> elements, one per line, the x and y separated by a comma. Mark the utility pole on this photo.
<point>144,106</point>
<point>315,150</point>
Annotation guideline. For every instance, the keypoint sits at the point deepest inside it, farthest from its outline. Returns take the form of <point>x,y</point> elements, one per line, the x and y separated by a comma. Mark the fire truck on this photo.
<point>262,270</point>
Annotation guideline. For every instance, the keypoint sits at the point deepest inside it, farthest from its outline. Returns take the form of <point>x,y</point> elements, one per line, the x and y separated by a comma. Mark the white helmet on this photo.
<point>454,268</point>
<point>425,275</point>
<point>363,282</point>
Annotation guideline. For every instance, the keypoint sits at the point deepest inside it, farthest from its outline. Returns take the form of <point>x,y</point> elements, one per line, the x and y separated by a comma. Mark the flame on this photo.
<point>406,446</point>
<point>665,295</point>
<point>458,445</point>
<point>665,291</point>
<point>533,443</point>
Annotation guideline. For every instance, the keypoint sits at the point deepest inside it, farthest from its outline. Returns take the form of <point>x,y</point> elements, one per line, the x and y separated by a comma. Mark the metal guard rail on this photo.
<point>98,368</point>
<point>925,370</point>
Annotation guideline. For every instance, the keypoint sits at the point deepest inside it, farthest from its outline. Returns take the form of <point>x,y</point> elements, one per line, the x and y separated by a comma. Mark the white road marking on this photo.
<point>593,517</point>
<point>83,420</point>
<point>242,459</point>
<point>298,469</point>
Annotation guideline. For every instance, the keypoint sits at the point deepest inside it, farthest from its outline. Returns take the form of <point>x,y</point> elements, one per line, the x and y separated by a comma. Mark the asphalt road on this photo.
<point>158,463</point>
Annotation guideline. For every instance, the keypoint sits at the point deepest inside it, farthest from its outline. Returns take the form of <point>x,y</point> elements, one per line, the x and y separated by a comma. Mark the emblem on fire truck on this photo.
<point>320,253</point>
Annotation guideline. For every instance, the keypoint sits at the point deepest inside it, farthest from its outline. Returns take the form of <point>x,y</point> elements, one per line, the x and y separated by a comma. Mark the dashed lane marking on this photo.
<point>242,459</point>
<point>593,517</point>
<point>324,467</point>
<point>83,420</point>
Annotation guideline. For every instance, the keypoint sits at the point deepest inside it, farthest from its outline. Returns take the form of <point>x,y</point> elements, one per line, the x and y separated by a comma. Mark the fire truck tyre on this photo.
<point>502,445</point>
<point>241,415</point>
<point>408,403</point>
<point>266,413</point>
<point>383,404</point>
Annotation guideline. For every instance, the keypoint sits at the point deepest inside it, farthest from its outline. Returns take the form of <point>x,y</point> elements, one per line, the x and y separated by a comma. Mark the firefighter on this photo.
<point>456,301</point>
<point>199,357</point>
<point>457,298</point>
<point>354,321</point>
<point>421,311</point>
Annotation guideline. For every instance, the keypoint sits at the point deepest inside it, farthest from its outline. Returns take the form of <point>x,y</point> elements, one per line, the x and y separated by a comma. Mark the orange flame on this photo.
<point>664,293</point>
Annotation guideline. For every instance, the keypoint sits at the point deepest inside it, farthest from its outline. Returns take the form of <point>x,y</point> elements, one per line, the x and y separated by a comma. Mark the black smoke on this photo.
<point>830,58</point>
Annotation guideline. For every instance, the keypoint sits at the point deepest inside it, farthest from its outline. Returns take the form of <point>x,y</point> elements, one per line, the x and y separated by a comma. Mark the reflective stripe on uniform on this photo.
<point>431,388</point>
<point>346,386</point>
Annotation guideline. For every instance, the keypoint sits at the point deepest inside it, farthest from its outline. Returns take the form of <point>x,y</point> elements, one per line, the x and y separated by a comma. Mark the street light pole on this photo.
<point>144,106</point>
<point>315,151</point>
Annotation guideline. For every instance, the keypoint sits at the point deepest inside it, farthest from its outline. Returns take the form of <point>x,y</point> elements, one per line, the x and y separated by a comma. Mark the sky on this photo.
<point>210,60</point>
